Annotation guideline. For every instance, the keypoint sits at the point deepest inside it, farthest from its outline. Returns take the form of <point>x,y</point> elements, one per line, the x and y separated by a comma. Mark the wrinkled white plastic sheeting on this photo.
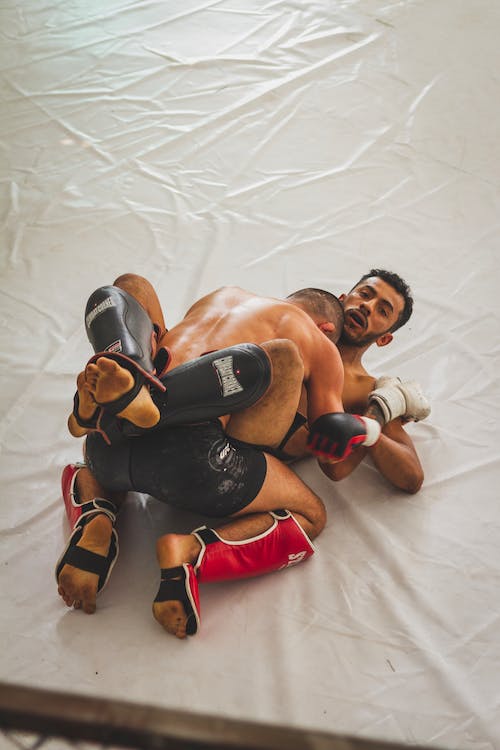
<point>272,145</point>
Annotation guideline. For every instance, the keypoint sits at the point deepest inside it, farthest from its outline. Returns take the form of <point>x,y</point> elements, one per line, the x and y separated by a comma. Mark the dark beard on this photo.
<point>360,343</point>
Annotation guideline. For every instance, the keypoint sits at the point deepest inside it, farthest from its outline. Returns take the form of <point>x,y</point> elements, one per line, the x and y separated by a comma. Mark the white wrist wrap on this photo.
<point>373,430</point>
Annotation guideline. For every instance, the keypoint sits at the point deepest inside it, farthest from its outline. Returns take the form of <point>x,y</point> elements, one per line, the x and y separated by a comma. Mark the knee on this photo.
<point>317,519</point>
<point>284,353</point>
<point>128,281</point>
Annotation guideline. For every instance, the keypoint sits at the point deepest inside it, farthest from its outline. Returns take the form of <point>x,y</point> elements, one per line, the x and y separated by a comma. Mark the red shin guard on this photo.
<point>74,509</point>
<point>284,544</point>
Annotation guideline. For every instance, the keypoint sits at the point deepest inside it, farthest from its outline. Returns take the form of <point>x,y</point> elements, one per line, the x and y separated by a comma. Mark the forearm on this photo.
<point>341,469</point>
<point>398,463</point>
<point>391,405</point>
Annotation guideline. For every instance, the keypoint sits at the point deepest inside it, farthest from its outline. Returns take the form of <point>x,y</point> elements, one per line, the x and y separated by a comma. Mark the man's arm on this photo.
<point>323,378</point>
<point>394,455</point>
<point>333,433</point>
<point>392,403</point>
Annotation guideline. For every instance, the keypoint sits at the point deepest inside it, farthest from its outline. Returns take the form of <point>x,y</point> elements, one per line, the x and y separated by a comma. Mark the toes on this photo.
<point>68,600</point>
<point>91,374</point>
<point>75,592</point>
<point>108,366</point>
<point>171,616</point>
<point>88,607</point>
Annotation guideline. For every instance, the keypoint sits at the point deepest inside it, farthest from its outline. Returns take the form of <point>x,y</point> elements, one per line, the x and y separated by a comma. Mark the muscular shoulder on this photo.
<point>218,301</point>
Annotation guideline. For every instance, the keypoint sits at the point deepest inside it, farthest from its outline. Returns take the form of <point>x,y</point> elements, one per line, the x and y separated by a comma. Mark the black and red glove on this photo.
<point>333,436</point>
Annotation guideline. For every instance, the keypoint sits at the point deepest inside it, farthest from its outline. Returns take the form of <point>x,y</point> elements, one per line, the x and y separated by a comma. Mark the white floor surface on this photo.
<point>273,145</point>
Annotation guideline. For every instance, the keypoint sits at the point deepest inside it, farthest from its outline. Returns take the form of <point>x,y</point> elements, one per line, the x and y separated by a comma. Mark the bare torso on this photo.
<point>356,389</point>
<point>231,315</point>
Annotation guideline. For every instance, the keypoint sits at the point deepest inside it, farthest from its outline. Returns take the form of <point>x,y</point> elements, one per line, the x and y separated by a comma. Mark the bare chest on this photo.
<point>356,390</point>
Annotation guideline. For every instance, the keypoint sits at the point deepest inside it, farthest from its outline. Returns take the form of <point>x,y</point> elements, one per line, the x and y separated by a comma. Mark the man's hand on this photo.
<point>333,436</point>
<point>396,398</point>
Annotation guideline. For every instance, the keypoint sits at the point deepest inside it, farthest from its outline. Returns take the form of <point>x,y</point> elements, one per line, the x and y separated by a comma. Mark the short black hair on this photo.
<point>324,304</point>
<point>401,287</point>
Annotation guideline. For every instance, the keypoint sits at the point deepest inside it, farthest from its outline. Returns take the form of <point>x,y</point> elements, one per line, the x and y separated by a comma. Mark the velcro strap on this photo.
<point>85,560</point>
<point>97,505</point>
<point>85,423</point>
<point>115,407</point>
<point>280,514</point>
<point>208,536</point>
<point>172,585</point>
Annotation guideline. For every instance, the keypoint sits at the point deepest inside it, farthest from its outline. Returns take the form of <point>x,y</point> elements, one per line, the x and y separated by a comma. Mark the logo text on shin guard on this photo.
<point>228,380</point>
<point>293,559</point>
<point>98,309</point>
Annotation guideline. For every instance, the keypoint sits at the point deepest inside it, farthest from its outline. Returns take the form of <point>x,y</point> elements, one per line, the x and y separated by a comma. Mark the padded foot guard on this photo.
<point>118,327</point>
<point>180,584</point>
<point>74,509</point>
<point>88,561</point>
<point>79,514</point>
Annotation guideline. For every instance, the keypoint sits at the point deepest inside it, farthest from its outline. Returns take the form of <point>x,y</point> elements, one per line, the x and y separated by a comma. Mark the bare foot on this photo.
<point>109,381</point>
<point>86,407</point>
<point>77,587</point>
<point>173,550</point>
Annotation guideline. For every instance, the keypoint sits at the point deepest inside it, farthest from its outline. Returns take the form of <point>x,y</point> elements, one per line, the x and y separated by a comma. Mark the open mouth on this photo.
<point>357,318</point>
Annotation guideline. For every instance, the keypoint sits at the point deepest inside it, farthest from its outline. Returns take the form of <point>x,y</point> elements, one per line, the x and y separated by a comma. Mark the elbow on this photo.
<point>413,482</point>
<point>334,472</point>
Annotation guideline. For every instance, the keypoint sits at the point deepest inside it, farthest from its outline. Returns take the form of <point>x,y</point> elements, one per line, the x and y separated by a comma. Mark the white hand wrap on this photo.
<point>400,399</point>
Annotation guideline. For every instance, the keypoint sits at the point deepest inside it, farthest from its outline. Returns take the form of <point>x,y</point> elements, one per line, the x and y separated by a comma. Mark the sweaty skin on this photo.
<point>230,316</point>
<point>371,309</point>
<point>299,352</point>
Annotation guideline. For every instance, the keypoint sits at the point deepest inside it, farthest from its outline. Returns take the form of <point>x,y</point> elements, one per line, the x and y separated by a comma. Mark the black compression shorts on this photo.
<point>194,467</point>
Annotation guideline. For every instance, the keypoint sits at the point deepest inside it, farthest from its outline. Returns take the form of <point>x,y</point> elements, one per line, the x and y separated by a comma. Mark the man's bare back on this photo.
<point>231,315</point>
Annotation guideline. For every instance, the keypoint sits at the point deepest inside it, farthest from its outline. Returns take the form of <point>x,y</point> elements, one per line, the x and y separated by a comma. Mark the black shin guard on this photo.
<point>118,327</point>
<point>215,384</point>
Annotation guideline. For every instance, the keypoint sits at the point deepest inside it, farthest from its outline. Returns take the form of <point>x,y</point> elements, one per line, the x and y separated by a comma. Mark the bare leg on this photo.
<point>282,489</point>
<point>78,588</point>
<point>267,421</point>
<point>145,294</point>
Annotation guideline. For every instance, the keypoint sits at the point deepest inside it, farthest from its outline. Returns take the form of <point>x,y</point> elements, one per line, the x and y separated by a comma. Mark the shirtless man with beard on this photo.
<point>219,320</point>
<point>378,305</point>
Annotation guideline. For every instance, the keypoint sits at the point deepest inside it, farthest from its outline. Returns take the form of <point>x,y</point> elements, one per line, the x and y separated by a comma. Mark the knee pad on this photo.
<point>215,384</point>
<point>284,544</point>
<point>118,327</point>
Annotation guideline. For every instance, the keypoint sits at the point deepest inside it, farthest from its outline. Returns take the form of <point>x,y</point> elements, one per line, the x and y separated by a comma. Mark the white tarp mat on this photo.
<point>272,145</point>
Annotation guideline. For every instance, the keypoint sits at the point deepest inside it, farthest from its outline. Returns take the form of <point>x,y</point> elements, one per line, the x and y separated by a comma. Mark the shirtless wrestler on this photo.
<point>378,305</point>
<point>236,480</point>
